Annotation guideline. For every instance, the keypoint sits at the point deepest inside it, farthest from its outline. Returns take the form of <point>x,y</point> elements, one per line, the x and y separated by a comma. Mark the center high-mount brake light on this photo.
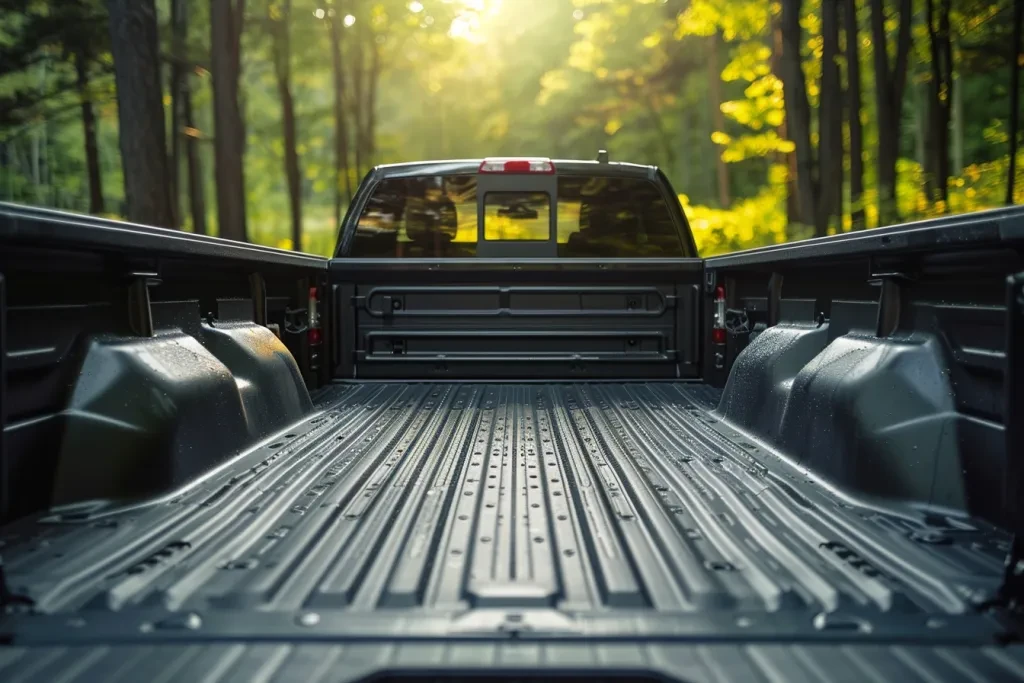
<point>517,165</point>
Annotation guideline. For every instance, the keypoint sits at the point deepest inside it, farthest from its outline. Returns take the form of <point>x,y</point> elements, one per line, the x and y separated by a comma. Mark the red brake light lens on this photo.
<point>718,335</point>
<point>523,165</point>
<point>719,293</point>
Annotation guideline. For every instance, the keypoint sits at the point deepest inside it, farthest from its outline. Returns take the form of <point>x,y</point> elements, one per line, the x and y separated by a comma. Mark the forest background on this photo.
<point>256,119</point>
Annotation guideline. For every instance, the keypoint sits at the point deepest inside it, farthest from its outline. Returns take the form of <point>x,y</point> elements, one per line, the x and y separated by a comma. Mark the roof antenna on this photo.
<point>602,156</point>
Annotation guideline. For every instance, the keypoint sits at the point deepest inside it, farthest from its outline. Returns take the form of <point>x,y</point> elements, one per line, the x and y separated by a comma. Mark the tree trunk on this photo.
<point>356,49</point>
<point>282,68</point>
<point>958,128</point>
<point>830,124</point>
<point>922,131</point>
<point>798,111</point>
<point>178,33</point>
<point>136,51</point>
<point>92,149</point>
<point>341,174</point>
<point>226,17</point>
<point>889,86</point>
<point>946,52</point>
<point>788,159</point>
<point>853,104</point>
<point>939,109</point>
<point>370,135</point>
<point>196,189</point>
<point>1018,20</point>
<point>718,119</point>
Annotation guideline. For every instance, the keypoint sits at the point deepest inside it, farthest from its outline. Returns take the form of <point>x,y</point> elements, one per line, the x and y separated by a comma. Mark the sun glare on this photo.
<point>468,23</point>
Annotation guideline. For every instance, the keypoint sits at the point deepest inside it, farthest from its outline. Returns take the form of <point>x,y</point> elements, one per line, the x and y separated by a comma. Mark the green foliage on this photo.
<point>472,78</point>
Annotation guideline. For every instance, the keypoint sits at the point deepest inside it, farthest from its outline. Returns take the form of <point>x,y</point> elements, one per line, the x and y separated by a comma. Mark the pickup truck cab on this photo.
<point>516,208</point>
<point>515,427</point>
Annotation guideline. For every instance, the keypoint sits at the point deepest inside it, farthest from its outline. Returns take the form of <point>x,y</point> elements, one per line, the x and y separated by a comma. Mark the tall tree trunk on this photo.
<point>178,33</point>
<point>92,149</point>
<point>356,57</point>
<point>282,68</point>
<point>1018,20</point>
<point>717,118</point>
<point>788,159</point>
<point>341,174</point>
<point>226,18</point>
<point>136,51</point>
<point>922,132</point>
<point>889,86</point>
<point>373,78</point>
<point>196,188</point>
<point>958,127</point>
<point>940,101</point>
<point>853,104</point>
<point>946,52</point>
<point>798,110</point>
<point>830,124</point>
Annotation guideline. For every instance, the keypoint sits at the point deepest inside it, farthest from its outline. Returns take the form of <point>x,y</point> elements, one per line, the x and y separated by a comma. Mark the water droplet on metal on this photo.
<point>308,619</point>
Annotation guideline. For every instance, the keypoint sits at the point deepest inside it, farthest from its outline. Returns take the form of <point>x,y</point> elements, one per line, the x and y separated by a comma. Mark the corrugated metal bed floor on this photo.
<point>419,511</point>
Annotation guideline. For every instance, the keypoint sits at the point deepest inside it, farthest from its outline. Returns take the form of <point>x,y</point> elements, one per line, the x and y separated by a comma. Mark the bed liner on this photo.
<point>627,513</point>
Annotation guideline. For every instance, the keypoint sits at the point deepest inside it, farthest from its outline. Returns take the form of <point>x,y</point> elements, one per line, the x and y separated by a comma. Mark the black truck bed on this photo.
<point>459,510</point>
<point>511,470</point>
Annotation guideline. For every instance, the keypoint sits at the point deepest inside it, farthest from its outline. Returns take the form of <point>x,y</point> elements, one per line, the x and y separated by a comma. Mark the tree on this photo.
<point>853,109</point>
<point>226,22</point>
<point>798,109</point>
<point>92,150</point>
<point>341,152</point>
<point>77,30</point>
<point>279,18</point>
<point>369,134</point>
<point>818,175</point>
<point>717,118</point>
<point>889,87</point>
<point>179,29</point>
<point>357,61</point>
<point>135,48</point>
<point>1014,115</point>
<point>830,123</point>
<point>186,130</point>
<point>786,159</point>
<point>940,101</point>
<point>196,192</point>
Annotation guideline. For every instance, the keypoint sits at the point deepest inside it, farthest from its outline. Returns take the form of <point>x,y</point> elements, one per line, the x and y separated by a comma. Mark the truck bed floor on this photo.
<point>429,510</point>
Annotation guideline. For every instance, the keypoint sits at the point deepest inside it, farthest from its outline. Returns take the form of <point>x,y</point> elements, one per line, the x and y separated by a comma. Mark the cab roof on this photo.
<point>616,169</point>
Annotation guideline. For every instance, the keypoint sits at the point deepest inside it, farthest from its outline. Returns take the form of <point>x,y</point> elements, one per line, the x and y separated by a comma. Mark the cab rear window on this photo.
<point>437,217</point>
<point>601,217</point>
<point>519,216</point>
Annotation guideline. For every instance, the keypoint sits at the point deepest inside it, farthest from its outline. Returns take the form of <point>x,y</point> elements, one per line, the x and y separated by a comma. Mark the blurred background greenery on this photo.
<point>775,121</point>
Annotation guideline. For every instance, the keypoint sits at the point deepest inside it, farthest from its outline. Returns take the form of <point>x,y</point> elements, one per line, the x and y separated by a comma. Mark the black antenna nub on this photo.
<point>602,156</point>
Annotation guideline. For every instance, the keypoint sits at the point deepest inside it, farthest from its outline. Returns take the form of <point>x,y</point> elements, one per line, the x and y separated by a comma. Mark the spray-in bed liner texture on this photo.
<point>559,510</point>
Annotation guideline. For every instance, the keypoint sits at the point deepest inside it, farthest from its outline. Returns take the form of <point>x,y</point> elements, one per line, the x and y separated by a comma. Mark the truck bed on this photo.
<point>503,470</point>
<point>469,509</point>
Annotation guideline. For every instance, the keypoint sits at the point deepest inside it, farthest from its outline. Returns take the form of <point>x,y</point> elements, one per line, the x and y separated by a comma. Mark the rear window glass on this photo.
<point>420,217</point>
<point>523,216</point>
<point>436,217</point>
<point>614,218</point>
